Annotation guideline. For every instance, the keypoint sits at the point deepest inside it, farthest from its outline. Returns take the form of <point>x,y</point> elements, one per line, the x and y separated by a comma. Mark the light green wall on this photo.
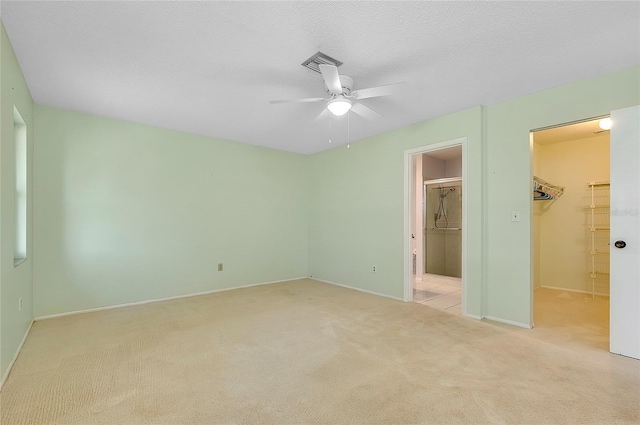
<point>357,206</point>
<point>15,282</point>
<point>508,165</point>
<point>356,199</point>
<point>127,212</point>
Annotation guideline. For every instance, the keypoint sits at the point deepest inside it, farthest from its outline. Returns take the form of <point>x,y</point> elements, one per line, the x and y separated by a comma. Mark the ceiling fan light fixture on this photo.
<point>339,106</point>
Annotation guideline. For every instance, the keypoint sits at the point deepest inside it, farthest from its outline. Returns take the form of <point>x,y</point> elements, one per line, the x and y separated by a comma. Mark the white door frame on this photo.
<point>532,283</point>
<point>618,327</point>
<point>409,214</point>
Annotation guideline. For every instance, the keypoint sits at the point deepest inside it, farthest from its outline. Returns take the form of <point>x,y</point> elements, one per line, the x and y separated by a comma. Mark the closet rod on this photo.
<point>543,190</point>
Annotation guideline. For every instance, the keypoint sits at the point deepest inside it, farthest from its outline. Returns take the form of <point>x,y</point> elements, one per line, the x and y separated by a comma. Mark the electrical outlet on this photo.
<point>515,215</point>
<point>19,304</point>
<point>220,267</point>
<point>374,269</point>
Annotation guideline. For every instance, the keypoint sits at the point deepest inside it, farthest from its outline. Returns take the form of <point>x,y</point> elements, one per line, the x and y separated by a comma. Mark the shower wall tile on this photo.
<point>443,249</point>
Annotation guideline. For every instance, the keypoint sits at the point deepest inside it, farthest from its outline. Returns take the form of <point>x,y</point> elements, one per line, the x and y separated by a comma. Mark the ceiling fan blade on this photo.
<point>322,116</point>
<point>365,111</point>
<point>331,78</point>
<point>377,91</point>
<point>307,100</point>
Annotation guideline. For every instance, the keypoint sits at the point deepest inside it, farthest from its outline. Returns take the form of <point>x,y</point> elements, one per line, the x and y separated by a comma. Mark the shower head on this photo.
<point>444,194</point>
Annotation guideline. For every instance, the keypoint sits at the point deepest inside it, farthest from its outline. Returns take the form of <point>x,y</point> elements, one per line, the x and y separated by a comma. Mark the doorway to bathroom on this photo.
<point>437,277</point>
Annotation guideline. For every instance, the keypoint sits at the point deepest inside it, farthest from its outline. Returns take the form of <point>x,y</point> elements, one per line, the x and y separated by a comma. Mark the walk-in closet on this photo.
<point>571,230</point>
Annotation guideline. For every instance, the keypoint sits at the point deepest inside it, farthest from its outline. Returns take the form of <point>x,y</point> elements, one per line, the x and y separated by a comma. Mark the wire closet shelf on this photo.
<point>545,191</point>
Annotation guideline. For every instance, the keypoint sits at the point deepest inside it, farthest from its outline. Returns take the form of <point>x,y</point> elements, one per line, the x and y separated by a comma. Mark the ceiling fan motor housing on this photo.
<point>347,85</point>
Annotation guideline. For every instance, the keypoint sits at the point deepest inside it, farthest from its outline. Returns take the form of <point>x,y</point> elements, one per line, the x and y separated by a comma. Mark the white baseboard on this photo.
<point>358,289</point>
<point>15,357</point>
<point>574,290</point>
<point>473,316</point>
<point>508,322</point>
<point>157,300</point>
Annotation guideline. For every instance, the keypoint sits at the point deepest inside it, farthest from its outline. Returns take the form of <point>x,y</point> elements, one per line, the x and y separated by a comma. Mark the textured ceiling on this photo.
<point>211,67</point>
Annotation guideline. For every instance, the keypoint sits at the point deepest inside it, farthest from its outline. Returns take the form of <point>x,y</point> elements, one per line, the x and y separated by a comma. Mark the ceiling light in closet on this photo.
<point>605,123</point>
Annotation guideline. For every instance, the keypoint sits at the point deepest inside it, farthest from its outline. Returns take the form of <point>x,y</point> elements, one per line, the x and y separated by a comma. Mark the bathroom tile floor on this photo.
<point>439,292</point>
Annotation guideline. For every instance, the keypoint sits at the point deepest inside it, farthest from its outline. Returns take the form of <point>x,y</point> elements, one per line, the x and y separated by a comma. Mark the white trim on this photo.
<point>600,294</point>
<point>408,275</point>
<point>157,300</point>
<point>473,316</point>
<point>357,289</point>
<point>443,180</point>
<point>508,322</point>
<point>15,357</point>
<point>532,231</point>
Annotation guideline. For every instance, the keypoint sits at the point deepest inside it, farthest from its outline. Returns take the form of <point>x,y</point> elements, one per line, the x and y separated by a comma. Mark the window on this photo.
<point>20,201</point>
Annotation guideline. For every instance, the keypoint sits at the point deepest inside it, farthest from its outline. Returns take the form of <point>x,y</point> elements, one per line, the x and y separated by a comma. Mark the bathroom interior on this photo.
<point>438,282</point>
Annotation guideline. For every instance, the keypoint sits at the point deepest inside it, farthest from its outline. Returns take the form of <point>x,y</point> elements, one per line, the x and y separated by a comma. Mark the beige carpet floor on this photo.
<point>305,352</point>
<point>571,317</point>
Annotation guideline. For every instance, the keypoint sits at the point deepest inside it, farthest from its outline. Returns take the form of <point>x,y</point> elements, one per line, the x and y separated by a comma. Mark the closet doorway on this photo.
<point>438,229</point>
<point>571,182</point>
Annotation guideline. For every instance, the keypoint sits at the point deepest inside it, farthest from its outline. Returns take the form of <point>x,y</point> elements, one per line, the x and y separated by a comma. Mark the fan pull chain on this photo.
<point>329,128</point>
<point>348,130</point>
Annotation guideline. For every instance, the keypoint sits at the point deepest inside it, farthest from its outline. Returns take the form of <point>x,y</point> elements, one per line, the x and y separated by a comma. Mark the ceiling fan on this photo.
<point>342,98</point>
